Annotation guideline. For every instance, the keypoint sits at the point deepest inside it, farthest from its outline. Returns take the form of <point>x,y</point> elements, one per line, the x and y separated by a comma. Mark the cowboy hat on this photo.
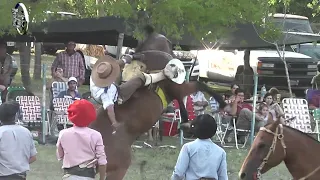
<point>105,71</point>
<point>82,113</point>
<point>179,71</point>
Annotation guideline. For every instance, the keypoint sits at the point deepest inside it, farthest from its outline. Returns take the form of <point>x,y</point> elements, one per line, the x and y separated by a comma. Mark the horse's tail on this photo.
<point>148,29</point>
<point>204,87</point>
<point>142,173</point>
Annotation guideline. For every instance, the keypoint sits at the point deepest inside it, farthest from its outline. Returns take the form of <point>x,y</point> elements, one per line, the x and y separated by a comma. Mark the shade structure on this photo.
<point>105,30</point>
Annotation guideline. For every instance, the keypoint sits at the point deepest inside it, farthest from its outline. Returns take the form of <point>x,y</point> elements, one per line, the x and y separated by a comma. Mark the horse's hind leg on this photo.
<point>117,175</point>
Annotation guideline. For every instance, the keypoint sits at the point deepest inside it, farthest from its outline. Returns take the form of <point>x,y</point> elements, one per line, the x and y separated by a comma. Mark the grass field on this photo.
<point>160,161</point>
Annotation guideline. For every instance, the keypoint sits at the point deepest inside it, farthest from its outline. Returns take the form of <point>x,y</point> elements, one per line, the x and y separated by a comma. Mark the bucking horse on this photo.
<point>144,108</point>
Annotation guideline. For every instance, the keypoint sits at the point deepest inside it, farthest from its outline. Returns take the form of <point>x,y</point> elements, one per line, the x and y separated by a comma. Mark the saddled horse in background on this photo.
<point>276,143</point>
<point>140,112</point>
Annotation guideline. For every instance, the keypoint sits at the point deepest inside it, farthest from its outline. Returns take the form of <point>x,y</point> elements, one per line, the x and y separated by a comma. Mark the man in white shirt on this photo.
<point>200,102</point>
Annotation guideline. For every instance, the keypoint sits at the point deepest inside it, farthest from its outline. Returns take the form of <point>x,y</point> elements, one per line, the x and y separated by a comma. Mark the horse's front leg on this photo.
<point>118,174</point>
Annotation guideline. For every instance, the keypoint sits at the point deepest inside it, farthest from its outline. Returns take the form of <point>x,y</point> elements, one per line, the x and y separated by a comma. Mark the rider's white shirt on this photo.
<point>99,95</point>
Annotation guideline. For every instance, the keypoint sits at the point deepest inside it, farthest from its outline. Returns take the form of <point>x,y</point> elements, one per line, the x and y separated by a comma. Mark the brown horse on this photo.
<point>276,143</point>
<point>140,112</point>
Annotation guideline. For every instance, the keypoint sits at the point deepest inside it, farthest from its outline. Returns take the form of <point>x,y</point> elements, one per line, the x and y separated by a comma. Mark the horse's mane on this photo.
<point>302,133</point>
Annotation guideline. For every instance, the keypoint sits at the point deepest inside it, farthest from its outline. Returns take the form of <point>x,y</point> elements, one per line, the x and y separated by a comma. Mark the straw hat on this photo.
<point>105,71</point>
<point>177,66</point>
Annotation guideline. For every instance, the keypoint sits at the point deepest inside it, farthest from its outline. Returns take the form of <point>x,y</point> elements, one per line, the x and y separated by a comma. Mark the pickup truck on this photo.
<point>221,66</point>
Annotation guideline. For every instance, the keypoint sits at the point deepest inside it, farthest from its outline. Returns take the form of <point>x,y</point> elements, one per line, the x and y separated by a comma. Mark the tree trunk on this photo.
<point>24,51</point>
<point>283,58</point>
<point>37,61</point>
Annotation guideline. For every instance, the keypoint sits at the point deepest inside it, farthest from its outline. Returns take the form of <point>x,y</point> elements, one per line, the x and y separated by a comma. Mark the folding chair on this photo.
<point>175,116</point>
<point>14,91</point>
<point>316,118</point>
<point>232,128</point>
<point>216,115</point>
<point>298,108</point>
<point>191,114</point>
<point>31,113</point>
<point>59,115</point>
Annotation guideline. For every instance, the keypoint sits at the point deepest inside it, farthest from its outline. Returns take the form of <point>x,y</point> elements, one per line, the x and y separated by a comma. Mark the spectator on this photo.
<point>201,158</point>
<point>243,113</point>
<point>233,89</point>
<point>58,77</point>
<point>71,62</point>
<point>16,146</point>
<point>6,66</point>
<point>274,108</point>
<point>71,92</point>
<point>200,102</point>
<point>80,147</point>
<point>263,114</point>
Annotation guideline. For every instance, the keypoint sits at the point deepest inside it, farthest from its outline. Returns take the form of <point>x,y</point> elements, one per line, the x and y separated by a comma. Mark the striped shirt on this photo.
<point>72,65</point>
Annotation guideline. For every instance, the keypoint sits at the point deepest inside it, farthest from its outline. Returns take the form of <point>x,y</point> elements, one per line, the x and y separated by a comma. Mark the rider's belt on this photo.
<point>19,176</point>
<point>77,171</point>
<point>207,179</point>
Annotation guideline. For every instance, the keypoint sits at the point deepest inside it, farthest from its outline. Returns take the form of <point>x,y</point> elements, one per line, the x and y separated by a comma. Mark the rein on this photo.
<point>278,135</point>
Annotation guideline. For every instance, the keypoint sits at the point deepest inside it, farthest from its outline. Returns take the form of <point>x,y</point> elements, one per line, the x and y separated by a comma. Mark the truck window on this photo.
<point>310,50</point>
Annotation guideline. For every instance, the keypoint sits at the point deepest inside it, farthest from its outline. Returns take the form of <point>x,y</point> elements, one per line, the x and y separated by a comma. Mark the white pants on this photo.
<point>74,177</point>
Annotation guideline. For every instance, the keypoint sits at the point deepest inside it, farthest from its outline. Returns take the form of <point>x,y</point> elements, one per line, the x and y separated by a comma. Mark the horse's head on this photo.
<point>152,54</point>
<point>267,151</point>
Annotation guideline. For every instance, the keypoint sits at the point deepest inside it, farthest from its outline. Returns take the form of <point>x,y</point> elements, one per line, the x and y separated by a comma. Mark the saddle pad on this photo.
<point>298,108</point>
<point>162,96</point>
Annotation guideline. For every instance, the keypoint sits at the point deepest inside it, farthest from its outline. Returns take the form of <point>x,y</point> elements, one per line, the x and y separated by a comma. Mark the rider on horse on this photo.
<point>105,72</point>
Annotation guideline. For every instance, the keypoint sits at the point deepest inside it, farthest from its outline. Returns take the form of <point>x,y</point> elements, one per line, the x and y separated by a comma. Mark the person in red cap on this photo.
<point>81,147</point>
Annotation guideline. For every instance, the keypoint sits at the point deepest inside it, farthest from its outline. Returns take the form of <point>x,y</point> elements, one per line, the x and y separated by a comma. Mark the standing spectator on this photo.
<point>80,147</point>
<point>201,158</point>
<point>200,102</point>
<point>71,92</point>
<point>6,66</point>
<point>71,62</point>
<point>16,145</point>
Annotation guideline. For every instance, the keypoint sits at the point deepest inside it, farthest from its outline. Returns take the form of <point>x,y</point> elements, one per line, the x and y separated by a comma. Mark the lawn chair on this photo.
<point>14,91</point>
<point>175,117</point>
<point>316,118</point>
<point>294,107</point>
<point>221,128</point>
<point>59,114</point>
<point>31,113</point>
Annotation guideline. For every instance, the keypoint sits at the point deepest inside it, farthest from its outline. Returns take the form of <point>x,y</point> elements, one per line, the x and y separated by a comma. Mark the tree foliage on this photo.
<point>201,18</point>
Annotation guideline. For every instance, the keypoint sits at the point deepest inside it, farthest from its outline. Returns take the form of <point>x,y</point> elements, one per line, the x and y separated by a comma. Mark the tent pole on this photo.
<point>120,43</point>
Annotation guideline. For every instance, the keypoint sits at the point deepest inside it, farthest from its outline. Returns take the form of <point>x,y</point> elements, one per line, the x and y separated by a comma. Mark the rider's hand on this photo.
<point>127,58</point>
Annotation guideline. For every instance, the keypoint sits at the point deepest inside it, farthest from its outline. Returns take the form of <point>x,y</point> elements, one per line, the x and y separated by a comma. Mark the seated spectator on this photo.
<point>264,115</point>
<point>200,102</point>
<point>201,158</point>
<point>233,96</point>
<point>17,147</point>
<point>71,92</point>
<point>274,108</point>
<point>57,77</point>
<point>243,113</point>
